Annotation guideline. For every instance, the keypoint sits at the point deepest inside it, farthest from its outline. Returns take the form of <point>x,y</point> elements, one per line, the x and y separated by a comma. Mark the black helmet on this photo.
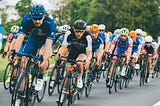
<point>80,24</point>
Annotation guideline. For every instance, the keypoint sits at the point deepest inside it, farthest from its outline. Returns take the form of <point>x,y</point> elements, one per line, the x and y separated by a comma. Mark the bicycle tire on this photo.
<point>62,96</point>
<point>13,80</point>
<point>7,75</point>
<point>17,87</point>
<point>51,88</point>
<point>40,97</point>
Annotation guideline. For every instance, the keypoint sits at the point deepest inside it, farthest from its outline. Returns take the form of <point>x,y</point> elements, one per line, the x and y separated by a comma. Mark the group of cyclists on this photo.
<point>36,36</point>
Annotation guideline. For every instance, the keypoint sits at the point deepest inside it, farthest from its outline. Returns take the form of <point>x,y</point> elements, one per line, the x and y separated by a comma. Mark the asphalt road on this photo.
<point>134,95</point>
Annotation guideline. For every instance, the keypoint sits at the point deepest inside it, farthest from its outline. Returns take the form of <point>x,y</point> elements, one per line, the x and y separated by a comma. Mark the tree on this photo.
<point>117,14</point>
<point>23,7</point>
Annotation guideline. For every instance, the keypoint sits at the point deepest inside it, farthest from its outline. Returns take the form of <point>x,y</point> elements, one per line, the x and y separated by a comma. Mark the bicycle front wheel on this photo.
<point>7,75</point>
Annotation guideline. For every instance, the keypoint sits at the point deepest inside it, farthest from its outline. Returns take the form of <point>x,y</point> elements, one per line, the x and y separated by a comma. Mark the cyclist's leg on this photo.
<point>80,69</point>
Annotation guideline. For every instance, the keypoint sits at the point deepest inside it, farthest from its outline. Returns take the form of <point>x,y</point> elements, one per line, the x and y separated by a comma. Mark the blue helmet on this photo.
<point>37,11</point>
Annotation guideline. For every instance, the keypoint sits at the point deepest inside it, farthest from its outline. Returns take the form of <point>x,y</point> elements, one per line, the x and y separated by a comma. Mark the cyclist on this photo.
<point>60,36</point>
<point>112,36</point>
<point>98,42</point>
<point>123,45</point>
<point>78,44</point>
<point>143,35</point>
<point>150,48</point>
<point>136,48</point>
<point>138,31</point>
<point>14,29</point>
<point>41,35</point>
<point>102,28</point>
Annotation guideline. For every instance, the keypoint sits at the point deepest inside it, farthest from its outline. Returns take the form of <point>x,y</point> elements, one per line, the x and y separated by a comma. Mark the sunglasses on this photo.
<point>37,18</point>
<point>123,36</point>
<point>79,31</point>
<point>101,30</point>
<point>148,42</point>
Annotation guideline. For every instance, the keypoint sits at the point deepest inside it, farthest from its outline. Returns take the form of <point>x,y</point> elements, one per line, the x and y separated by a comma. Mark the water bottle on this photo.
<point>123,70</point>
<point>30,80</point>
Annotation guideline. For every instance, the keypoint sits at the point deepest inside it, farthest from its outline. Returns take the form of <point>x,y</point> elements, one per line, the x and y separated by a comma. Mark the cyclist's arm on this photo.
<point>89,48</point>
<point>18,44</point>
<point>6,47</point>
<point>129,53</point>
<point>63,49</point>
<point>47,49</point>
<point>112,46</point>
<point>100,52</point>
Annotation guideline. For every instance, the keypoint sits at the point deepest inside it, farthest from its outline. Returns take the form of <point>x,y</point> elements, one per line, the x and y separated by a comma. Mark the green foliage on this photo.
<point>23,7</point>
<point>10,24</point>
<point>115,13</point>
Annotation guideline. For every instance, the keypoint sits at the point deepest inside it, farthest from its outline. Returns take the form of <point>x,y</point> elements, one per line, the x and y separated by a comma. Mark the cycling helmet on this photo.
<point>80,24</point>
<point>143,34</point>
<point>148,38</point>
<point>94,28</point>
<point>14,29</point>
<point>139,31</point>
<point>116,32</point>
<point>132,34</point>
<point>65,28</point>
<point>124,31</point>
<point>109,33</point>
<point>37,11</point>
<point>102,27</point>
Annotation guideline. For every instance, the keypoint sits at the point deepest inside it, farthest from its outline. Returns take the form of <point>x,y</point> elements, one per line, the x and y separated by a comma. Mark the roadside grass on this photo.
<point>4,62</point>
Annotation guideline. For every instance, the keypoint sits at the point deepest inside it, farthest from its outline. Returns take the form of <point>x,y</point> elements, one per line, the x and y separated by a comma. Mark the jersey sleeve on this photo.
<point>23,26</point>
<point>51,31</point>
<point>65,38</point>
<point>89,40</point>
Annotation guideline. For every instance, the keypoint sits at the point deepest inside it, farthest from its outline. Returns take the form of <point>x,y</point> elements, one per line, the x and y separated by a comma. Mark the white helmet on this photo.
<point>117,32</point>
<point>138,31</point>
<point>14,29</point>
<point>65,28</point>
<point>148,38</point>
<point>159,38</point>
<point>102,27</point>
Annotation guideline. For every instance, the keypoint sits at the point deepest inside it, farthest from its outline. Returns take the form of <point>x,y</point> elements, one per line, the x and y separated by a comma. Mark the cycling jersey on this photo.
<point>122,46</point>
<point>96,43</point>
<point>150,49</point>
<point>59,37</point>
<point>136,44</point>
<point>37,35</point>
<point>112,37</point>
<point>77,46</point>
<point>10,37</point>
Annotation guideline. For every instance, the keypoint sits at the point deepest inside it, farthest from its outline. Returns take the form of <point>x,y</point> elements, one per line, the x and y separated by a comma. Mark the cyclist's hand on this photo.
<point>57,56</point>
<point>86,64</point>
<point>4,54</point>
<point>13,56</point>
<point>43,65</point>
<point>98,63</point>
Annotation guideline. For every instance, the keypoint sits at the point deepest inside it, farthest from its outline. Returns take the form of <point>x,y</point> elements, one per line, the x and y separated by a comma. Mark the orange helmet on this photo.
<point>94,28</point>
<point>132,34</point>
<point>109,33</point>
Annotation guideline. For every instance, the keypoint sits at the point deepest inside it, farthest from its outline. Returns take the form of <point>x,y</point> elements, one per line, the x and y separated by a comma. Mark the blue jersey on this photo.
<point>97,42</point>
<point>37,35</point>
<point>122,46</point>
<point>136,44</point>
<point>111,37</point>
